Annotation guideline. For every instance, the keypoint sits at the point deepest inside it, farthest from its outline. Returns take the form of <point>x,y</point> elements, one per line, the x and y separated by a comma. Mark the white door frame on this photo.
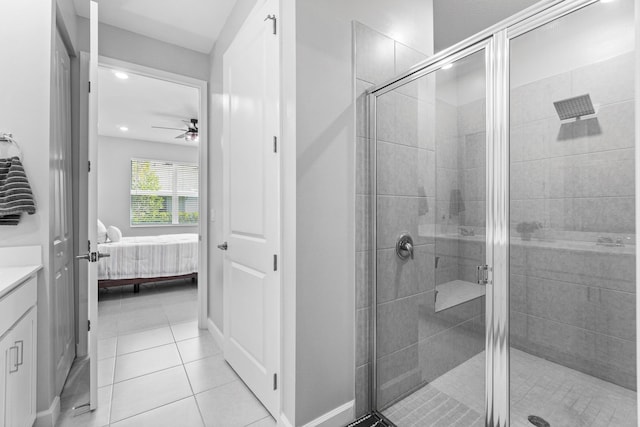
<point>203,168</point>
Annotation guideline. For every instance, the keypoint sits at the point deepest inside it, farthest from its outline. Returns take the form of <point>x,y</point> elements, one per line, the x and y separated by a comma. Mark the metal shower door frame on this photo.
<point>495,41</point>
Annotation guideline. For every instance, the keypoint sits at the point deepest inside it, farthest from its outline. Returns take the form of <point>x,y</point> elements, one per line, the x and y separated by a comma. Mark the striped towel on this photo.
<point>15,192</point>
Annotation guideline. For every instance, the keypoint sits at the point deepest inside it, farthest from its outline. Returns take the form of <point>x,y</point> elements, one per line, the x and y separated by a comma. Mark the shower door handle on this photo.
<point>482,274</point>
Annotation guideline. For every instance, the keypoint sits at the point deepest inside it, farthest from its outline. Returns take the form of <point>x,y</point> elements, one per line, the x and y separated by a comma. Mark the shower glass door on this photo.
<point>430,204</point>
<point>572,220</point>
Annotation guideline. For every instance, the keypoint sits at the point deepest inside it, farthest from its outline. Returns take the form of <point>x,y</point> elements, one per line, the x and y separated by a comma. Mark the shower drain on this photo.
<point>537,421</point>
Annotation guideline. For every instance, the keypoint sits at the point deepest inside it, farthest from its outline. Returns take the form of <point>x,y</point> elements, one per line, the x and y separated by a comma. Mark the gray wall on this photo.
<point>326,191</point>
<point>126,46</point>
<point>114,174</point>
<point>25,110</point>
<point>573,302</point>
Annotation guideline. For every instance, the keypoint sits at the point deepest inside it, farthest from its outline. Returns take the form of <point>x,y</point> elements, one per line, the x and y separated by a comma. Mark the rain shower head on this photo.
<point>573,108</point>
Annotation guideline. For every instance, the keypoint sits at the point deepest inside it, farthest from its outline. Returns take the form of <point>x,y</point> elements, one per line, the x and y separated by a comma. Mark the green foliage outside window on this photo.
<point>153,209</point>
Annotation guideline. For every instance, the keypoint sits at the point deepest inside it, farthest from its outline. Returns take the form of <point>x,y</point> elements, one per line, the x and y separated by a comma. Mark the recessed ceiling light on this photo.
<point>123,128</point>
<point>121,75</point>
<point>447,66</point>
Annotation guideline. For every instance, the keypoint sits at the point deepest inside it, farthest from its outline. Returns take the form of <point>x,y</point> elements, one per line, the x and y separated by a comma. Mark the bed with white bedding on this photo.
<point>144,259</point>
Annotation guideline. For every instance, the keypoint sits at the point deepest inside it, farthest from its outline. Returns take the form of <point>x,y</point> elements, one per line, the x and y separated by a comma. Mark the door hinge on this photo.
<point>275,262</point>
<point>88,325</point>
<point>88,245</point>
<point>275,144</point>
<point>275,20</point>
<point>482,274</point>
<point>89,87</point>
<point>275,381</point>
<point>89,166</point>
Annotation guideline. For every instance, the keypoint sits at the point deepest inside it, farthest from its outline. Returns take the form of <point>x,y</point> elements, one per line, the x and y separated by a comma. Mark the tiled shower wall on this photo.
<point>572,301</point>
<point>415,344</point>
<point>377,58</point>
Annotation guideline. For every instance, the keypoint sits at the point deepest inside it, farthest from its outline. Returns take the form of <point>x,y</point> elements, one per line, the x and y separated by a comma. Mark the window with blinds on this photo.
<point>163,193</point>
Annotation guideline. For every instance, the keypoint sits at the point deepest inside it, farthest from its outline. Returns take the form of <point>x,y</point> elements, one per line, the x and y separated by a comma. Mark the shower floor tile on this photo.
<point>560,395</point>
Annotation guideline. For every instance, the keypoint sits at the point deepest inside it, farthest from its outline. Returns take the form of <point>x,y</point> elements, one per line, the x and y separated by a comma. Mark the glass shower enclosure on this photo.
<point>503,182</point>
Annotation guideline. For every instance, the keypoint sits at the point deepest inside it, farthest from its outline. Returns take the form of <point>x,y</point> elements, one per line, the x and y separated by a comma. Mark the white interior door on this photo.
<point>92,220</point>
<point>251,201</point>
<point>61,227</point>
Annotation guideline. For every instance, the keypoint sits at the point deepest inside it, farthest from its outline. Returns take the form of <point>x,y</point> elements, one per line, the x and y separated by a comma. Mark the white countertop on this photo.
<point>10,277</point>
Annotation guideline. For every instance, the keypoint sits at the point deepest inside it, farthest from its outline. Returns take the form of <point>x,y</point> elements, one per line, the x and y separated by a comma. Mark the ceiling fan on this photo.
<point>190,133</point>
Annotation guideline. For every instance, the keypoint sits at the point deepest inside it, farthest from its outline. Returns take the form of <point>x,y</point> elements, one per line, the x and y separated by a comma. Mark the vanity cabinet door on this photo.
<point>20,373</point>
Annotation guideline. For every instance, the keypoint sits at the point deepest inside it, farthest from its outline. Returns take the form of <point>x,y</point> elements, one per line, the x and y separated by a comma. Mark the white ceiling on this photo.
<point>140,102</point>
<point>193,24</point>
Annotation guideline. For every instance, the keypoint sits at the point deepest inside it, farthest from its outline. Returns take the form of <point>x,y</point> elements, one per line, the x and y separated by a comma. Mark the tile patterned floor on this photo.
<point>562,396</point>
<point>156,368</point>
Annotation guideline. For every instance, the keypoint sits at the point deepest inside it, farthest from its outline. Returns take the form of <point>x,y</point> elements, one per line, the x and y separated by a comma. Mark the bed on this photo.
<point>147,259</point>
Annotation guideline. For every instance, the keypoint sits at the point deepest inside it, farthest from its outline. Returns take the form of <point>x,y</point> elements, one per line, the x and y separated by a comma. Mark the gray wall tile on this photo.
<point>375,55</point>
<point>362,391</point>
<point>398,373</point>
<point>397,170</point>
<point>362,337</point>
<point>397,325</point>
<point>363,279</point>
<point>362,117</point>
<point>606,82</point>
<point>446,350</point>
<point>400,214</point>
<point>363,173</point>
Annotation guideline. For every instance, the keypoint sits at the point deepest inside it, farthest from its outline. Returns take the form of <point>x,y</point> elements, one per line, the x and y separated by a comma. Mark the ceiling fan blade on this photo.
<point>181,136</point>
<point>162,127</point>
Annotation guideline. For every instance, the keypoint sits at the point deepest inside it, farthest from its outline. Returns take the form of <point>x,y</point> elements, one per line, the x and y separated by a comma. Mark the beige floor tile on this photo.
<point>105,371</point>
<point>183,413</point>
<point>231,405</point>
<point>142,394</point>
<point>144,362</point>
<point>144,340</point>
<point>198,348</point>
<point>205,374</point>
<point>141,319</point>
<point>185,331</point>
<point>107,348</point>
<point>265,422</point>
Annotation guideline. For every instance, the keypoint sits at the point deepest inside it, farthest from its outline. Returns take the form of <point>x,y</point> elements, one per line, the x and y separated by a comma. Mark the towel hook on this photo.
<point>8,137</point>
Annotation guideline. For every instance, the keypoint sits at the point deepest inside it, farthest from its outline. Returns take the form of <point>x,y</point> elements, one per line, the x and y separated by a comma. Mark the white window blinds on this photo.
<point>163,193</point>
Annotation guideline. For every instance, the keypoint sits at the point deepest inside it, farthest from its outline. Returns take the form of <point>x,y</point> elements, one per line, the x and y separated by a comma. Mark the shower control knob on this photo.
<point>404,246</point>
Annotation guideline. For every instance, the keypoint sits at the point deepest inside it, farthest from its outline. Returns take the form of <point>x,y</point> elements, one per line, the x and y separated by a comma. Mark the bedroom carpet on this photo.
<point>156,368</point>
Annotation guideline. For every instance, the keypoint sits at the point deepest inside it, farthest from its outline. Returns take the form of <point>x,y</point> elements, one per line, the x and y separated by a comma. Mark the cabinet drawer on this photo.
<point>17,303</point>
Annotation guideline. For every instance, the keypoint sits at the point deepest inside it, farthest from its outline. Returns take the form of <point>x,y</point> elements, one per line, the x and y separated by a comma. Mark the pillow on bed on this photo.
<point>114,233</point>
<point>102,232</point>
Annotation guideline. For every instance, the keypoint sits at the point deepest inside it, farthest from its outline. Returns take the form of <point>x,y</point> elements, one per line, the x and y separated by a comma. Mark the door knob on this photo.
<point>404,246</point>
<point>223,247</point>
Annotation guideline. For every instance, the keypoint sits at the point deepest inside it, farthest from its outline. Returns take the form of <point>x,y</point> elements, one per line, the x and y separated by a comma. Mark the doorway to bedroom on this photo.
<point>151,197</point>
<point>149,214</point>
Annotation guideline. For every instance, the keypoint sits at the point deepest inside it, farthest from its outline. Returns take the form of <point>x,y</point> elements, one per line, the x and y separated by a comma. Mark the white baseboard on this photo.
<point>49,417</point>
<point>284,421</point>
<point>217,334</point>
<point>338,417</point>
